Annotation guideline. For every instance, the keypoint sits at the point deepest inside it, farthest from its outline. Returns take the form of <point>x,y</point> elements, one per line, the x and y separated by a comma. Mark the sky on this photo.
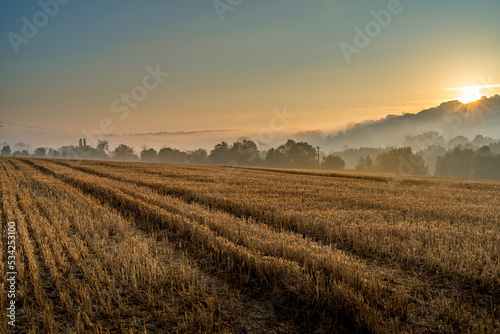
<point>72,69</point>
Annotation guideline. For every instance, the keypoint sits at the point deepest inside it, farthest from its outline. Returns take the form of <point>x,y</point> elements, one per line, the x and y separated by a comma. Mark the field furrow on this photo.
<point>448,305</point>
<point>422,245</point>
<point>119,289</point>
<point>243,264</point>
<point>129,247</point>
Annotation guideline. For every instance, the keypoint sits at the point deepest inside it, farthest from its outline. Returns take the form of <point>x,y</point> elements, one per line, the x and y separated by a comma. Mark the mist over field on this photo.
<point>439,136</point>
<point>448,120</point>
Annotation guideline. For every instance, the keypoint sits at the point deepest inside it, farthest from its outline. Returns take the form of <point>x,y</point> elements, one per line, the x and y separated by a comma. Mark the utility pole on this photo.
<point>319,165</point>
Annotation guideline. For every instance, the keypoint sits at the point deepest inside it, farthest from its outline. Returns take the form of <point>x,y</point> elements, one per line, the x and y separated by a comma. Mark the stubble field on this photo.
<point>155,248</point>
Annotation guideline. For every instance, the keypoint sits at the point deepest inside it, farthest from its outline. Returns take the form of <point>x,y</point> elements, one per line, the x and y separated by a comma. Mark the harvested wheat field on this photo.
<point>108,247</point>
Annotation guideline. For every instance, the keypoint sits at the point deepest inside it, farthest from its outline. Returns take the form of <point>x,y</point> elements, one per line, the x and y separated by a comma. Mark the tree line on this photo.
<point>242,152</point>
<point>461,161</point>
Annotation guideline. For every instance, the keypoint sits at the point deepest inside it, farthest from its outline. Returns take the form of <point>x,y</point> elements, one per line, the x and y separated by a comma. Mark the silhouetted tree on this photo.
<point>123,153</point>
<point>298,155</point>
<point>365,164</point>
<point>149,155</point>
<point>85,152</point>
<point>102,145</point>
<point>456,163</point>
<point>172,155</point>
<point>351,156</point>
<point>71,152</point>
<point>333,162</point>
<point>220,154</point>
<point>40,152</point>
<point>275,158</point>
<point>301,154</point>
<point>244,152</point>
<point>485,165</point>
<point>99,153</point>
<point>401,161</point>
<point>465,162</point>
<point>6,151</point>
<point>52,153</point>
<point>198,157</point>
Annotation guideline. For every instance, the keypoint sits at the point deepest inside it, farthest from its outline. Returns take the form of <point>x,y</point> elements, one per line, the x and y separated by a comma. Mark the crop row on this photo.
<point>305,270</point>
<point>85,268</point>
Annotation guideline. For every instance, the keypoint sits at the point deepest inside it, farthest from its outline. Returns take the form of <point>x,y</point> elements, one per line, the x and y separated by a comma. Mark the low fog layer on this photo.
<point>444,127</point>
<point>449,120</point>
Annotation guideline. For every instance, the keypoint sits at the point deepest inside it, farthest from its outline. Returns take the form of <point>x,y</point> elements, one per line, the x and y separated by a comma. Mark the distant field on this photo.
<point>154,248</point>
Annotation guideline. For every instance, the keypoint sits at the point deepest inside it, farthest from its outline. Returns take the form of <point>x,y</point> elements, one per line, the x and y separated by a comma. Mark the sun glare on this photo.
<point>470,94</point>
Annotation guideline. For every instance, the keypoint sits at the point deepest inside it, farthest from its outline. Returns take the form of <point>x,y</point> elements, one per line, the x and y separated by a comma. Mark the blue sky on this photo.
<point>231,73</point>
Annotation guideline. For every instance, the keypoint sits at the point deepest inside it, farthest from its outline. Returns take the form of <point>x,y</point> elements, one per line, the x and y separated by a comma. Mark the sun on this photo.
<point>470,94</point>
